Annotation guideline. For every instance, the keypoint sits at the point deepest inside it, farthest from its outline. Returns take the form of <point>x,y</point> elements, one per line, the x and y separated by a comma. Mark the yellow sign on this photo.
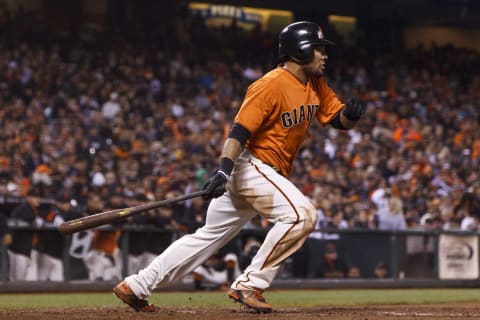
<point>345,26</point>
<point>217,15</point>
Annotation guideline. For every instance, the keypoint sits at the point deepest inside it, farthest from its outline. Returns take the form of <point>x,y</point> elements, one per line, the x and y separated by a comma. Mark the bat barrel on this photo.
<point>92,221</point>
<point>107,217</point>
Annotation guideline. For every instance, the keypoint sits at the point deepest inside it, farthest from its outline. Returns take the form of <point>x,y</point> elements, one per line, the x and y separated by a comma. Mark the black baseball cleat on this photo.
<point>124,293</point>
<point>252,299</point>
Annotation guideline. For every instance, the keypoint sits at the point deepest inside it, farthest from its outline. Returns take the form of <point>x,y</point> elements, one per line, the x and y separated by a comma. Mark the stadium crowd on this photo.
<point>96,122</point>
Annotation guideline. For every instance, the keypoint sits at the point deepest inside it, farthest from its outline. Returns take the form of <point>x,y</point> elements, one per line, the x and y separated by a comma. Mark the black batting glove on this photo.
<point>354,109</point>
<point>215,186</point>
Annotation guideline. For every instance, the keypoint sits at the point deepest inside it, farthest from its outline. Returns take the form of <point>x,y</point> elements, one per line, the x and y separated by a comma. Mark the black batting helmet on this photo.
<point>297,41</point>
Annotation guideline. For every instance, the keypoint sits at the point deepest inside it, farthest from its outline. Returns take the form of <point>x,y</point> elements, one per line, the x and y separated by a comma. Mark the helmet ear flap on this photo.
<point>304,53</point>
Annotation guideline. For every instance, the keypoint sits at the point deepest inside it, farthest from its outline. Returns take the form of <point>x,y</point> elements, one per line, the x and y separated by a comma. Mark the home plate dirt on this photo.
<point>369,312</point>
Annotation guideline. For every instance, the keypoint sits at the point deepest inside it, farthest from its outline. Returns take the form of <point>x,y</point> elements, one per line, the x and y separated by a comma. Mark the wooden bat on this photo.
<point>107,217</point>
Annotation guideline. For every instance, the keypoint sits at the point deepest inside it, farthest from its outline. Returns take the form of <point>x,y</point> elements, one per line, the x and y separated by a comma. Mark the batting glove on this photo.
<point>215,186</point>
<point>354,109</point>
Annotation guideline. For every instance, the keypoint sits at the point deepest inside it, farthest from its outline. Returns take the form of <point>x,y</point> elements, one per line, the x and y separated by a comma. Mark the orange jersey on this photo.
<point>277,111</point>
<point>105,241</point>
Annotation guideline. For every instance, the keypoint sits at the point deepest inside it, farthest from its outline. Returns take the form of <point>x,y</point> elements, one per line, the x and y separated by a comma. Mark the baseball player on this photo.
<point>104,260</point>
<point>21,253</point>
<point>218,272</point>
<point>256,160</point>
<point>50,242</point>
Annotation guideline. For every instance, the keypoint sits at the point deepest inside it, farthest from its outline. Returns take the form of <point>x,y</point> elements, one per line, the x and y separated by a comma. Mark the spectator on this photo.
<point>111,108</point>
<point>361,220</point>
<point>381,270</point>
<point>422,141</point>
<point>469,208</point>
<point>389,210</point>
<point>331,265</point>
<point>354,272</point>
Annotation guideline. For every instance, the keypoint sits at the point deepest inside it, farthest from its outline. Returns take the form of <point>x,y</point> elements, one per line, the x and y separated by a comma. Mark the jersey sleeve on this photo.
<point>256,107</point>
<point>330,104</point>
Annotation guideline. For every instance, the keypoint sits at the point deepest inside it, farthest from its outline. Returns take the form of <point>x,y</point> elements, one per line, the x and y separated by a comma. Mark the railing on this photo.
<point>409,254</point>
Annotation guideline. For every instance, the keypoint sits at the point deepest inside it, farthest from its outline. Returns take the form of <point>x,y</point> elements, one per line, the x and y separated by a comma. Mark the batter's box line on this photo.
<point>423,314</point>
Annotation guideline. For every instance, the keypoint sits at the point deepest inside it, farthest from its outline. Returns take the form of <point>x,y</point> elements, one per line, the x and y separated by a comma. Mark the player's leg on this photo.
<point>117,264</point>
<point>56,269</point>
<point>96,263</point>
<point>134,263</point>
<point>112,269</point>
<point>32,268</point>
<point>225,218</point>
<point>294,217</point>
<point>18,266</point>
<point>278,200</point>
<point>43,267</point>
<point>49,268</point>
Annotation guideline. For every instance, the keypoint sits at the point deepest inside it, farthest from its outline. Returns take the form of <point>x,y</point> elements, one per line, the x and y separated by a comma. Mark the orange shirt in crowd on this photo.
<point>476,149</point>
<point>403,133</point>
<point>173,124</point>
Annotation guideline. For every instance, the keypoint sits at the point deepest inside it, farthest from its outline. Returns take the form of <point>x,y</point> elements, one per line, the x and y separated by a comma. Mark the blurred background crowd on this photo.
<point>96,121</point>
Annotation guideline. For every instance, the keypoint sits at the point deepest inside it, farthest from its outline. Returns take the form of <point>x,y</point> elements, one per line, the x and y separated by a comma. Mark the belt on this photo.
<point>249,155</point>
<point>274,168</point>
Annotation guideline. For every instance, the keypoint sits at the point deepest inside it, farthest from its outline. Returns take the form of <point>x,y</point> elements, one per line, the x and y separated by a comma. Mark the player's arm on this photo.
<point>349,115</point>
<point>232,148</point>
<point>339,115</point>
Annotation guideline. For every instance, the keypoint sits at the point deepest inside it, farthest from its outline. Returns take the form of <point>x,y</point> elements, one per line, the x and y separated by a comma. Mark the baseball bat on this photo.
<point>107,217</point>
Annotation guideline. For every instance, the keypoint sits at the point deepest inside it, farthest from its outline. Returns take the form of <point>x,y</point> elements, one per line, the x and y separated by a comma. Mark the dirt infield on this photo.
<point>436,311</point>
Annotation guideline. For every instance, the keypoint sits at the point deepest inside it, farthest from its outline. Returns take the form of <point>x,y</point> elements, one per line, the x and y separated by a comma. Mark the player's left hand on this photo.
<point>215,186</point>
<point>354,109</point>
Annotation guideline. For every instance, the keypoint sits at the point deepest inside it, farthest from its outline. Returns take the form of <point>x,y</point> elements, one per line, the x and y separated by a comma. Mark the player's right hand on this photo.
<point>215,186</point>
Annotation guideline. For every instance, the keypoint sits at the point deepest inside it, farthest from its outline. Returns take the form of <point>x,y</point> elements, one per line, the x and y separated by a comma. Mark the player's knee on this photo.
<point>310,218</point>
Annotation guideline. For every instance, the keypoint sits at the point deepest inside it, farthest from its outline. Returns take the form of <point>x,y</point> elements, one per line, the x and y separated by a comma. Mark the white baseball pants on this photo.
<point>253,187</point>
